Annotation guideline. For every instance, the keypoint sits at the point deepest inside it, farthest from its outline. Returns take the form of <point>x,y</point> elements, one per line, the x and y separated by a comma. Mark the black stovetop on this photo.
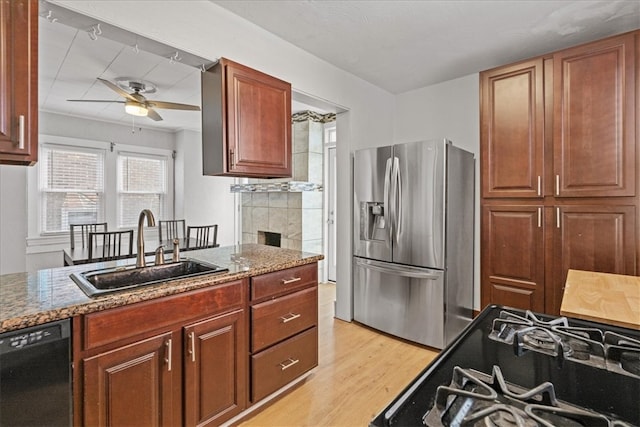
<point>613,394</point>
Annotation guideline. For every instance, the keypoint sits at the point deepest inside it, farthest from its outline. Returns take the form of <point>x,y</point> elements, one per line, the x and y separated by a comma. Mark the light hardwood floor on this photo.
<point>359,372</point>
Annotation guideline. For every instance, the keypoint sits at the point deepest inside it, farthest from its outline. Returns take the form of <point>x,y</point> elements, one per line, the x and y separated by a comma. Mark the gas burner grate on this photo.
<point>592,346</point>
<point>477,399</point>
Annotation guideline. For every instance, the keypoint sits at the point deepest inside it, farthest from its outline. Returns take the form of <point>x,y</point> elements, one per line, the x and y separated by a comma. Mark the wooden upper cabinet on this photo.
<point>246,122</point>
<point>595,119</point>
<point>512,130</point>
<point>18,82</point>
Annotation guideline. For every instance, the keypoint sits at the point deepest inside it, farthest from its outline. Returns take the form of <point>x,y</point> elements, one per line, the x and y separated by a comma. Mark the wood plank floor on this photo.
<point>359,372</point>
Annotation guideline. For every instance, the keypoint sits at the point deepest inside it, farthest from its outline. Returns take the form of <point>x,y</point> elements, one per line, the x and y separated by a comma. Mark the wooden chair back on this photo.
<point>84,230</point>
<point>171,229</point>
<point>110,245</point>
<point>202,236</point>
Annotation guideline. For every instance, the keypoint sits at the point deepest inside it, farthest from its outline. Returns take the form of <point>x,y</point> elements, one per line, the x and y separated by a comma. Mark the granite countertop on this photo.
<point>29,299</point>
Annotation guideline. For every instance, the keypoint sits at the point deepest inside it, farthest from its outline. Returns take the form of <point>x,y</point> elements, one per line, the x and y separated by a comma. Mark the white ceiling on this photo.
<point>396,45</point>
<point>404,45</point>
<point>70,61</point>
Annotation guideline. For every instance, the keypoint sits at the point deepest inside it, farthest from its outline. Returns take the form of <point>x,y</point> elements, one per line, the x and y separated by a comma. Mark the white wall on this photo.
<point>451,110</point>
<point>206,199</point>
<point>207,30</point>
<point>13,219</point>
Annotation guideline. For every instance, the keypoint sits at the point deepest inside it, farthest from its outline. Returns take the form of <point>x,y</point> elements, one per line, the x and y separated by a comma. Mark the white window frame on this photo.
<point>166,211</point>
<point>41,194</point>
<point>36,237</point>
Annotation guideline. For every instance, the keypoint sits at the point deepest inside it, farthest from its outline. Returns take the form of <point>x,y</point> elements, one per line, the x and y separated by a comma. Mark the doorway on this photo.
<point>330,181</point>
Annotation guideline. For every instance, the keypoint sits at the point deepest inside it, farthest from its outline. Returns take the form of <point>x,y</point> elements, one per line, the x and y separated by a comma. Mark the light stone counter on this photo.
<point>29,299</point>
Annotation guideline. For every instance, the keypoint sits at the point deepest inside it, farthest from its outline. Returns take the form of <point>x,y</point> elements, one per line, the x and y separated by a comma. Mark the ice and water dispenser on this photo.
<point>373,225</point>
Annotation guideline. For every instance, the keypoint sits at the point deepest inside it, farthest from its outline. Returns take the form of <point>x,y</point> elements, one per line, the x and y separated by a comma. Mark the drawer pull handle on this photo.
<point>289,281</point>
<point>289,317</point>
<point>288,363</point>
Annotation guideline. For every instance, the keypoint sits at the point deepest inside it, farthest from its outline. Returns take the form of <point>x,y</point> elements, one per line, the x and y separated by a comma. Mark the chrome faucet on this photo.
<point>151,222</point>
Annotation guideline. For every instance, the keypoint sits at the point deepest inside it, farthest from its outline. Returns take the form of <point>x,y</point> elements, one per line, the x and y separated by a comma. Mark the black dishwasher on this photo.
<point>35,376</point>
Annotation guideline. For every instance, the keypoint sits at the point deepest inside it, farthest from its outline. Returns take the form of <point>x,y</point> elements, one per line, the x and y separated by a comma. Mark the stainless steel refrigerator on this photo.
<point>413,240</point>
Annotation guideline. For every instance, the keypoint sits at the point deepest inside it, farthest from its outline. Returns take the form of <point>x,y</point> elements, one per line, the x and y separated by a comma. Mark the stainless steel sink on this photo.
<point>109,280</point>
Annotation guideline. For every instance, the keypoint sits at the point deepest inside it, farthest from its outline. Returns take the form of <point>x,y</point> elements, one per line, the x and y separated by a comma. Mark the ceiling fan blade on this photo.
<point>172,105</point>
<point>94,100</point>
<point>153,114</point>
<point>117,89</point>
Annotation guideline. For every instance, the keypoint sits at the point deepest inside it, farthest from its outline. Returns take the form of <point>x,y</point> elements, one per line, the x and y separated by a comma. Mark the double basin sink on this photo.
<point>110,280</point>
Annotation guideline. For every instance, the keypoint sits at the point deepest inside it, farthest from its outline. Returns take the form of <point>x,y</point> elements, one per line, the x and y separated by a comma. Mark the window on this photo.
<point>71,187</point>
<point>81,181</point>
<point>142,184</point>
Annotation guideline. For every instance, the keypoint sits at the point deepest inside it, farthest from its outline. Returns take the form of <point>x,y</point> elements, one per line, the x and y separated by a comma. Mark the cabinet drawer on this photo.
<point>282,363</point>
<point>278,319</point>
<point>120,323</point>
<point>279,282</point>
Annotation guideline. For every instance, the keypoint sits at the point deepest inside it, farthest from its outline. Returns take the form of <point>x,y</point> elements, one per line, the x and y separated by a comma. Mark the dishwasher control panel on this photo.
<point>27,337</point>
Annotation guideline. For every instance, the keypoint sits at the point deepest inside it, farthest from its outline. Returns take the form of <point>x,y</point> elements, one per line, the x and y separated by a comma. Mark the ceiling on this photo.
<point>396,45</point>
<point>403,45</point>
<point>70,61</point>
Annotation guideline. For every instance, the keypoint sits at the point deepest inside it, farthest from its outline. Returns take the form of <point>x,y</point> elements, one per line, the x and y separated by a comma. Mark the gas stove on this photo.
<point>514,367</point>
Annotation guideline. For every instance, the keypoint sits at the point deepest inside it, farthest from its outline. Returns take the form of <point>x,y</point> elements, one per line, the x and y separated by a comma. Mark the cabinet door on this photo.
<point>592,238</point>
<point>18,82</point>
<point>595,119</point>
<point>513,256</point>
<point>258,123</point>
<point>215,369</point>
<point>134,385</point>
<point>512,137</point>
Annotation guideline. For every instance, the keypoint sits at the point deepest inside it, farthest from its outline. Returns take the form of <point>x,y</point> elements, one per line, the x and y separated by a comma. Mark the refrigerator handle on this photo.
<point>399,270</point>
<point>397,198</point>
<point>393,199</point>
<point>387,201</point>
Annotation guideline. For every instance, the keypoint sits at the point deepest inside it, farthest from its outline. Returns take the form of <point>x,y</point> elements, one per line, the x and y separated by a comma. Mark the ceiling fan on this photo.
<point>136,103</point>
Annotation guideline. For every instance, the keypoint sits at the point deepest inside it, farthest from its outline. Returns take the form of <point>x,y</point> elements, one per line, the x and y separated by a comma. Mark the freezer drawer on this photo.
<point>404,301</point>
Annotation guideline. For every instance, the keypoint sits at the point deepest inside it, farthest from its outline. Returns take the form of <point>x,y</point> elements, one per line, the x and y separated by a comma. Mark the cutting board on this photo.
<point>602,297</point>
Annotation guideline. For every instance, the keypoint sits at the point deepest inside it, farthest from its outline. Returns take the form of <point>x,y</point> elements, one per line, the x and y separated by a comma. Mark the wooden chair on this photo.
<point>170,229</point>
<point>84,230</point>
<point>202,236</point>
<point>109,245</point>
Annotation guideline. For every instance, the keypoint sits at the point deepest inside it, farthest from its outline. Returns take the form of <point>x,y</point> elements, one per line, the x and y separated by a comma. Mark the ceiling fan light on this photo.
<point>135,109</point>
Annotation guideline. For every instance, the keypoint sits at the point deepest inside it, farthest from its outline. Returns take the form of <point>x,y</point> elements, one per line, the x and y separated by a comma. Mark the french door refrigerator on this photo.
<point>413,240</point>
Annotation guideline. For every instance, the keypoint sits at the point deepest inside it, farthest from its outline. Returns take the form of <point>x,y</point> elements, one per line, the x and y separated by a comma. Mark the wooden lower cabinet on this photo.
<point>527,250</point>
<point>277,366</point>
<point>197,358</point>
<point>598,238</point>
<point>284,328</point>
<point>513,256</point>
<point>188,367</point>
<point>133,385</point>
<point>215,369</point>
